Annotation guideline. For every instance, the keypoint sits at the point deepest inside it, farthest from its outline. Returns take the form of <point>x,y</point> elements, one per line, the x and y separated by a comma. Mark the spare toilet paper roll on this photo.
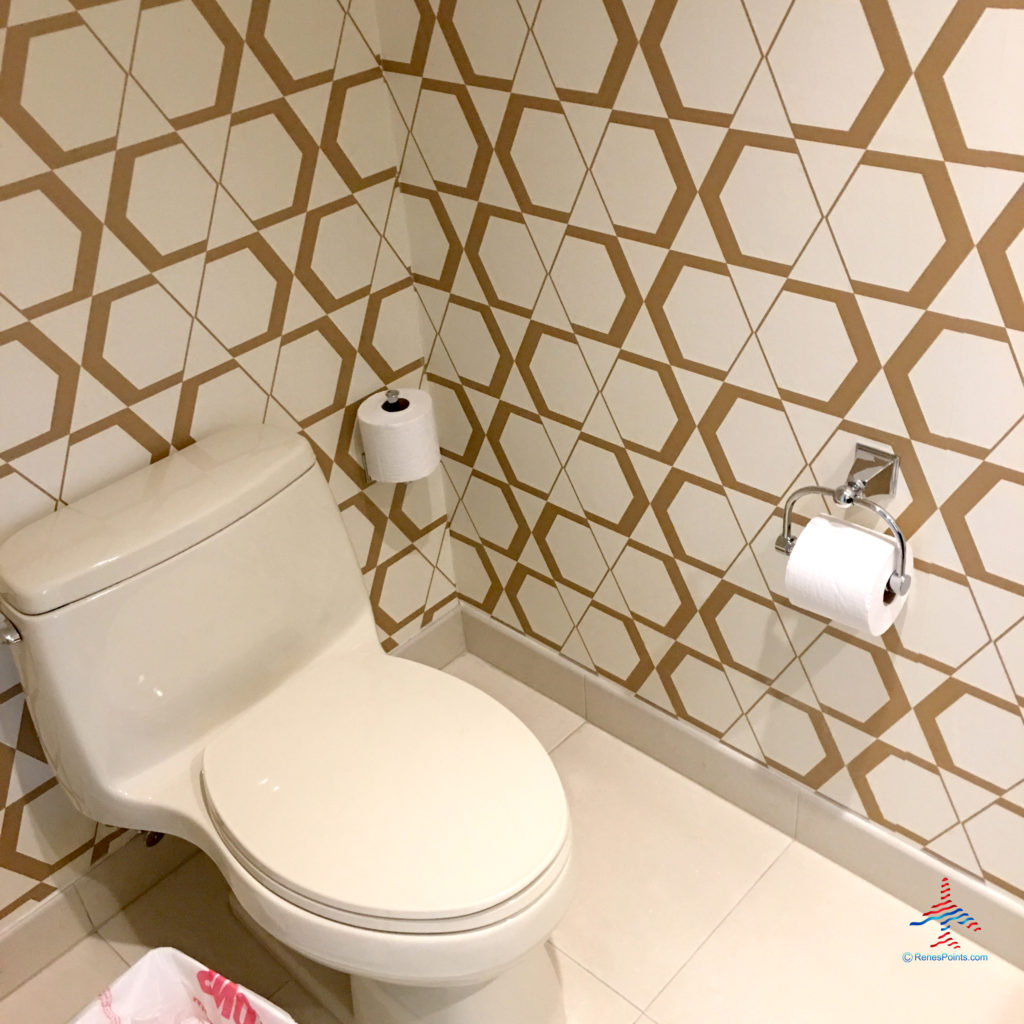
<point>400,440</point>
<point>842,571</point>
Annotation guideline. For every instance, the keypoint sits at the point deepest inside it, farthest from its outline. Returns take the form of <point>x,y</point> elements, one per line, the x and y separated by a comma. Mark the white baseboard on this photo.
<point>437,644</point>
<point>849,840</point>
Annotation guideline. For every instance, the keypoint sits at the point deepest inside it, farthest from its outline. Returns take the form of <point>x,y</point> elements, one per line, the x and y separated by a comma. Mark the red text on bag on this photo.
<point>233,1005</point>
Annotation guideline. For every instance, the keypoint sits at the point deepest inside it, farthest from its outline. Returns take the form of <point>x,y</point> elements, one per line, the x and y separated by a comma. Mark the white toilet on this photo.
<point>199,657</point>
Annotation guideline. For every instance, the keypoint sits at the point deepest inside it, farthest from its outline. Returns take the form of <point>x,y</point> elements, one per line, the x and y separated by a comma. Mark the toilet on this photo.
<point>199,657</point>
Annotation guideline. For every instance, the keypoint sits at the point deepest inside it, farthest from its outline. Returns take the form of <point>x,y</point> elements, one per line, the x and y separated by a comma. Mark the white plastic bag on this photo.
<point>168,987</point>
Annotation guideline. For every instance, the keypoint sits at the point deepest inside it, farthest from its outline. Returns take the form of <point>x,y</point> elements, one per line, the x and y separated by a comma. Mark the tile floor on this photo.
<point>687,909</point>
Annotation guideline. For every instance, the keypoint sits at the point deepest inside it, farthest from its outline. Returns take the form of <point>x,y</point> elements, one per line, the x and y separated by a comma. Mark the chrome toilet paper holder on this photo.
<point>874,472</point>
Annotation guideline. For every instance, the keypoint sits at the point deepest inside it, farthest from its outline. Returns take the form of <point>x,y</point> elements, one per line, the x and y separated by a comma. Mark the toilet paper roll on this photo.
<point>842,571</point>
<point>400,444</point>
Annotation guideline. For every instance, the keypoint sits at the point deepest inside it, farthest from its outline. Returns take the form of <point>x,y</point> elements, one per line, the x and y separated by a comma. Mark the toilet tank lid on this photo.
<point>147,517</point>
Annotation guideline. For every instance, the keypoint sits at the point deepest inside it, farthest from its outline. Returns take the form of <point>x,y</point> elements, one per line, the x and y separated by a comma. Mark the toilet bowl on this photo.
<point>199,657</point>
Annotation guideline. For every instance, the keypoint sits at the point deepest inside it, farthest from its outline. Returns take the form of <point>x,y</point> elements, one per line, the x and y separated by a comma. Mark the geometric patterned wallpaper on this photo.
<point>682,255</point>
<point>667,260</point>
<point>196,228</point>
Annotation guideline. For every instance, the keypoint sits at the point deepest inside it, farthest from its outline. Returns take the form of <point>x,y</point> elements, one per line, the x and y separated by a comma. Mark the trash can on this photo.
<point>168,987</point>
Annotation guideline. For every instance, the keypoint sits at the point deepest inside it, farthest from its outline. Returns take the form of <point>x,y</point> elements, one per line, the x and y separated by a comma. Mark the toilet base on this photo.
<point>528,992</point>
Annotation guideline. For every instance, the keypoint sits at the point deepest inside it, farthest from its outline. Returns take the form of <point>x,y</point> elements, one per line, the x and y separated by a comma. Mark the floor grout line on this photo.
<point>596,977</point>
<point>113,949</point>
<point>732,910</point>
<point>567,736</point>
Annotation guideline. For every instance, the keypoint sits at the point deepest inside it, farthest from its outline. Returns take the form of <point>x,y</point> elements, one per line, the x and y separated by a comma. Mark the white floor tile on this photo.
<point>813,942</point>
<point>189,910</point>
<point>66,987</point>
<point>660,862</point>
<point>549,721</point>
<point>588,1000</point>
<point>128,873</point>
<point>301,1005</point>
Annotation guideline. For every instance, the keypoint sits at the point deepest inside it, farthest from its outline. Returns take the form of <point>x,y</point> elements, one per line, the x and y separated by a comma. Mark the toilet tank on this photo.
<point>162,605</point>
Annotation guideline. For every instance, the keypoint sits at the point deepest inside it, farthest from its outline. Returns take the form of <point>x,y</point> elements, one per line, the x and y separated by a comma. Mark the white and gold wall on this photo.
<point>197,228</point>
<point>667,260</point>
<point>681,256</point>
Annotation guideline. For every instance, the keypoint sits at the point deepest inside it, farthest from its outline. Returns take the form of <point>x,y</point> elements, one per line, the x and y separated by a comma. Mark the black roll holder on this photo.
<point>874,472</point>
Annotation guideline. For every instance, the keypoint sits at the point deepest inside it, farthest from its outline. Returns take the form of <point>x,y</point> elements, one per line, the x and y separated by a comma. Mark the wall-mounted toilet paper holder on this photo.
<point>874,472</point>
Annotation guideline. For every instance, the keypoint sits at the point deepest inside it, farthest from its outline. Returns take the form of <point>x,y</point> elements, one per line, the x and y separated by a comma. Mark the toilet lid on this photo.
<point>388,789</point>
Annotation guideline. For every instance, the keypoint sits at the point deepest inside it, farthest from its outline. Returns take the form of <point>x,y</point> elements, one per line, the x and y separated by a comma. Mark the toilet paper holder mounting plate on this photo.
<point>874,472</point>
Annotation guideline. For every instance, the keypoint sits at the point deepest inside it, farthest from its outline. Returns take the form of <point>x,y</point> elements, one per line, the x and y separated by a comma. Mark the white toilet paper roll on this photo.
<point>842,571</point>
<point>400,444</point>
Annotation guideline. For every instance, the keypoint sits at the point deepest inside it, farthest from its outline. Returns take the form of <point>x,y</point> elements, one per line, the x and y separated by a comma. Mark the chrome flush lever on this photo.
<point>8,634</point>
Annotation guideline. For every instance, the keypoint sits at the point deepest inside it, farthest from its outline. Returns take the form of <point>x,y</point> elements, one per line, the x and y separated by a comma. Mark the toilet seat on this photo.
<point>310,790</point>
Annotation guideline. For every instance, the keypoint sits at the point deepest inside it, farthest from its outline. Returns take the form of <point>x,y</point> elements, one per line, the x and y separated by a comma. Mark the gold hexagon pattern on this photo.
<point>188,192</point>
<point>659,263</point>
<point>716,244</point>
